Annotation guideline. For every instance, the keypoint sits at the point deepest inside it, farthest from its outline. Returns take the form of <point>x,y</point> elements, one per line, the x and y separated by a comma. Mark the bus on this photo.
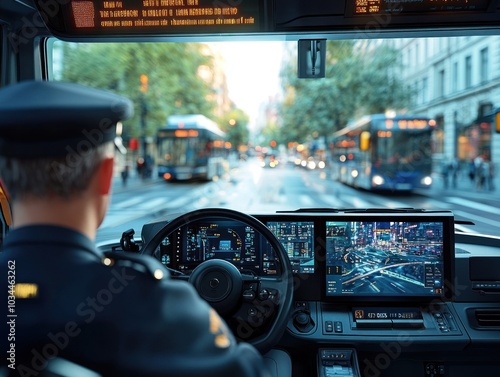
<point>380,152</point>
<point>191,147</point>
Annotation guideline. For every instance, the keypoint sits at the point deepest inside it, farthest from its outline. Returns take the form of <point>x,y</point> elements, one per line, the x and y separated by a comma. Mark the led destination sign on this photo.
<point>402,6</point>
<point>162,16</point>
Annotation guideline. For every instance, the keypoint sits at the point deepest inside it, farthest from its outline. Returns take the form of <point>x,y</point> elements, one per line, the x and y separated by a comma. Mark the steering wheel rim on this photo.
<point>284,281</point>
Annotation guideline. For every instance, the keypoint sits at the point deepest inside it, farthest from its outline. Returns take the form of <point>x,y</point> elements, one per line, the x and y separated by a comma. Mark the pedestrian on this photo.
<point>488,171</point>
<point>478,168</point>
<point>125,174</point>
<point>472,171</point>
<point>454,170</point>
<point>445,172</point>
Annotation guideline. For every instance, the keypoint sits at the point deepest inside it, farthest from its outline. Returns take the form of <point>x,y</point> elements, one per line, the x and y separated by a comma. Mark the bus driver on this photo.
<point>120,317</point>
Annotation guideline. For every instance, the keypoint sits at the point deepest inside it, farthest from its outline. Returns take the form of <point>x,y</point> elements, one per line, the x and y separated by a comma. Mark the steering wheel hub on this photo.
<point>218,282</point>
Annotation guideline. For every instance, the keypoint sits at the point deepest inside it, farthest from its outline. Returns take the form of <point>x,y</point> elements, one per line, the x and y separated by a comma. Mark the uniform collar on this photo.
<point>49,234</point>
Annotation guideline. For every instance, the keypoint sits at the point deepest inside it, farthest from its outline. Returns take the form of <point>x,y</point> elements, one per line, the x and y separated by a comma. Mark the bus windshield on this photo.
<point>190,147</point>
<point>384,129</point>
<point>402,151</point>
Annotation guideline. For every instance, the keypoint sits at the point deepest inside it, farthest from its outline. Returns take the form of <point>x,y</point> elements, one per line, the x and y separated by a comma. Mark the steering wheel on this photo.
<point>256,309</point>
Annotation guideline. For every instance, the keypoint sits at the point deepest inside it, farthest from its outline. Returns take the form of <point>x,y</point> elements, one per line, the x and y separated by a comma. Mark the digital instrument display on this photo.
<point>232,241</point>
<point>385,258</point>
<point>158,16</point>
<point>370,7</point>
<point>297,237</point>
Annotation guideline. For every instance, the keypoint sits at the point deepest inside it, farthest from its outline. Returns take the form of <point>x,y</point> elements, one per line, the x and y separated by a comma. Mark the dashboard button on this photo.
<point>328,326</point>
<point>338,326</point>
<point>263,294</point>
<point>249,295</point>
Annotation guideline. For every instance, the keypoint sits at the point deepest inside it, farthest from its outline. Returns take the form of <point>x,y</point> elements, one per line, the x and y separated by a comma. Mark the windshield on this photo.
<point>251,136</point>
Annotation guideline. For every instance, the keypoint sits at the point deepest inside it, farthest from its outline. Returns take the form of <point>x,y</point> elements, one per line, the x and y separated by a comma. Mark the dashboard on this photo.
<point>395,257</point>
<point>392,287</point>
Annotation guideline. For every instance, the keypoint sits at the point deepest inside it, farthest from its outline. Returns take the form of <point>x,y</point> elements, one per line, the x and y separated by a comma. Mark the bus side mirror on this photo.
<point>364,141</point>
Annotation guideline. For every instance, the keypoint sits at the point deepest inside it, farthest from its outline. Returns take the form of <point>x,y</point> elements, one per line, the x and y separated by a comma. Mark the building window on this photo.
<point>468,72</point>
<point>454,82</point>
<point>440,84</point>
<point>425,89</point>
<point>484,65</point>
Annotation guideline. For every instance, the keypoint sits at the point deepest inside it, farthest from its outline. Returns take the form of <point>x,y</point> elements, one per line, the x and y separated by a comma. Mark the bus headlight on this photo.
<point>321,164</point>
<point>426,181</point>
<point>354,173</point>
<point>378,180</point>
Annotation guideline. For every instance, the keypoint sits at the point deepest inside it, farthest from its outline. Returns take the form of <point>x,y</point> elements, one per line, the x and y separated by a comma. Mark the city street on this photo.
<point>250,188</point>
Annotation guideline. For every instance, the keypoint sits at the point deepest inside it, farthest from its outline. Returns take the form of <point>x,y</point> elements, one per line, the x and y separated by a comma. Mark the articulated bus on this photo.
<point>380,152</point>
<point>190,147</point>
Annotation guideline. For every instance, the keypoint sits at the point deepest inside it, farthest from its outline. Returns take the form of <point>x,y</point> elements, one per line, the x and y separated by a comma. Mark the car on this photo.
<point>398,101</point>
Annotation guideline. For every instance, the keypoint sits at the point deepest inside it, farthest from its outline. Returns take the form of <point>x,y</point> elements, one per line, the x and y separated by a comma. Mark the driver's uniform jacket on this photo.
<point>116,319</point>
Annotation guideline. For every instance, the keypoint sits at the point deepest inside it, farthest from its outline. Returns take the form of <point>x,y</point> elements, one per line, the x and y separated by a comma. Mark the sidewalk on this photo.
<point>463,186</point>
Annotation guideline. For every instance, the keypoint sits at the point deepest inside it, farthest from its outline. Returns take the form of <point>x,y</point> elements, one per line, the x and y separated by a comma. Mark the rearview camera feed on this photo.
<point>384,258</point>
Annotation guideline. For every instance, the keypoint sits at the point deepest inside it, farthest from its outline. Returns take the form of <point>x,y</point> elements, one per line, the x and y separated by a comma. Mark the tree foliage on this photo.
<point>173,83</point>
<point>235,124</point>
<point>360,79</point>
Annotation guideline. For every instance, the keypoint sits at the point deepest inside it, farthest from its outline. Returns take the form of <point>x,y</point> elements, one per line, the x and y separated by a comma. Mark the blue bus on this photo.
<point>191,147</point>
<point>380,152</point>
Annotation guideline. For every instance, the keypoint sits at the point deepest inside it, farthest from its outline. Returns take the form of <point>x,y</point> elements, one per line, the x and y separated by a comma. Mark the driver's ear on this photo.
<point>105,175</point>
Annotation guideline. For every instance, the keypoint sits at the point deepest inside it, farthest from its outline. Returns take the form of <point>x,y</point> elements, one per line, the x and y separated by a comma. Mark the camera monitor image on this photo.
<point>377,258</point>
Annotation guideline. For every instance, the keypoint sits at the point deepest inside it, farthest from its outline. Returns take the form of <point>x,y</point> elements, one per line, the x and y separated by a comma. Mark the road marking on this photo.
<point>179,202</point>
<point>158,203</point>
<point>306,201</point>
<point>395,204</point>
<point>360,203</point>
<point>332,200</point>
<point>471,204</point>
<point>127,203</point>
<point>115,219</point>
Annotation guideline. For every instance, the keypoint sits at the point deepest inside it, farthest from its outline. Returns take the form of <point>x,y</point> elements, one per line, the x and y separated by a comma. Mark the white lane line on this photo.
<point>179,202</point>
<point>158,203</point>
<point>395,204</point>
<point>306,201</point>
<point>128,203</point>
<point>360,203</point>
<point>115,219</point>
<point>475,205</point>
<point>332,201</point>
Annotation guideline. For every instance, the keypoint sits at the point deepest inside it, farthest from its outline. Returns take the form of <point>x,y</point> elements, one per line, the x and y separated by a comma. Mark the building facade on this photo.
<point>456,81</point>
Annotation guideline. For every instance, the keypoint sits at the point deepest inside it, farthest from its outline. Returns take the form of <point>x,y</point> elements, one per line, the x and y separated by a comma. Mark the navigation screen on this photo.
<point>384,258</point>
<point>161,16</point>
<point>297,237</point>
